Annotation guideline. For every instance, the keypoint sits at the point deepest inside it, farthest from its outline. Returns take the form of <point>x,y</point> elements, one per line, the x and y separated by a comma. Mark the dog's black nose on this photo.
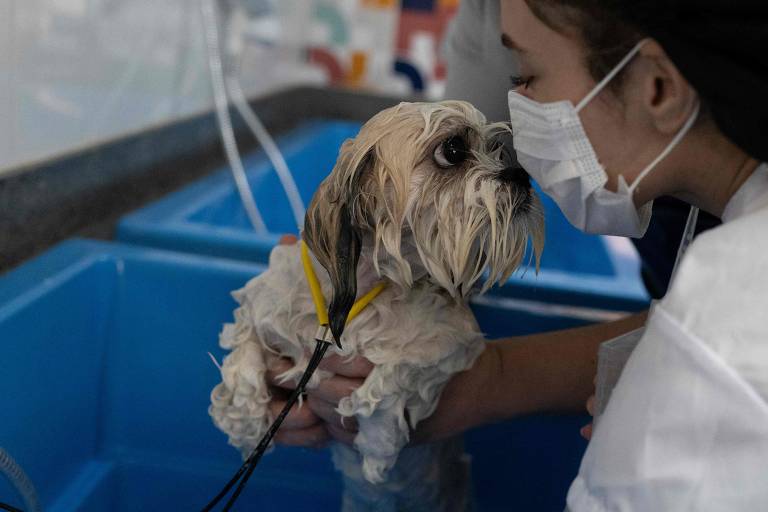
<point>515,175</point>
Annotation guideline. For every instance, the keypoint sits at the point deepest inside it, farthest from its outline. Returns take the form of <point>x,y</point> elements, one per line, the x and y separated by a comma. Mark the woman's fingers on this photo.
<point>358,368</point>
<point>297,418</point>
<point>317,421</point>
<point>280,366</point>
<point>586,430</point>
<point>301,427</point>
<point>341,435</point>
<point>335,388</point>
<point>315,436</point>
<point>341,365</point>
<point>326,411</point>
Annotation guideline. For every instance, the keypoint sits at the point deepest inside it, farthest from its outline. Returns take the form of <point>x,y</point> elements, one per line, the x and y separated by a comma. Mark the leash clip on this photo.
<point>324,335</point>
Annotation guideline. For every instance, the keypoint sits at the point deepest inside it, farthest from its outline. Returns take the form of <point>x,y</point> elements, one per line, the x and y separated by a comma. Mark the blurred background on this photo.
<point>77,72</point>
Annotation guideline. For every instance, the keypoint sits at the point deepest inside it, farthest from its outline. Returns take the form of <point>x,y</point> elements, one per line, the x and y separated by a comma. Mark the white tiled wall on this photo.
<point>75,72</point>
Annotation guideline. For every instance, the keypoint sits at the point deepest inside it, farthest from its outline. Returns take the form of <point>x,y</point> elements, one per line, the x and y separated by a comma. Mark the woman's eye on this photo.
<point>450,152</point>
<point>517,81</point>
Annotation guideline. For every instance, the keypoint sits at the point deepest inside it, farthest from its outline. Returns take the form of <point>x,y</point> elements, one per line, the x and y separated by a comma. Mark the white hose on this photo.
<point>270,148</point>
<point>208,11</point>
<point>226,86</point>
<point>20,481</point>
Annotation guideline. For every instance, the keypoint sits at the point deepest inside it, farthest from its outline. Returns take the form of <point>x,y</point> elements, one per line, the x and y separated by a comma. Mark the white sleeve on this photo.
<point>478,66</point>
<point>721,295</point>
<point>682,431</point>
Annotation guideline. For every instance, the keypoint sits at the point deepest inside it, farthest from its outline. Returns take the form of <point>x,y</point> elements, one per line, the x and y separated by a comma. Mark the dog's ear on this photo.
<point>332,229</point>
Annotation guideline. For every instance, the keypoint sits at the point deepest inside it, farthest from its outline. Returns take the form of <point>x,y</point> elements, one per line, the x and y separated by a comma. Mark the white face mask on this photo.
<point>553,147</point>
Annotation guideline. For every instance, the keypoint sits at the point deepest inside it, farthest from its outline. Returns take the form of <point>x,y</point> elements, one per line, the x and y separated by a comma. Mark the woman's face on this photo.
<point>553,67</point>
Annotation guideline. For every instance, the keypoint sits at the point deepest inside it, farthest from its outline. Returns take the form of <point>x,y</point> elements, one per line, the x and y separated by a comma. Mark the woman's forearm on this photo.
<point>549,372</point>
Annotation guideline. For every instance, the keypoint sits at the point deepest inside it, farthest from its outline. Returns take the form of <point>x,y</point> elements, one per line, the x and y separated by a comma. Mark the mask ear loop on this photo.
<point>672,144</point>
<point>610,76</point>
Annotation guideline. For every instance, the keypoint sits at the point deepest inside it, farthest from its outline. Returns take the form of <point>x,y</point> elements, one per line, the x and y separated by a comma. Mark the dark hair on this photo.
<point>608,38</point>
<point>727,36</point>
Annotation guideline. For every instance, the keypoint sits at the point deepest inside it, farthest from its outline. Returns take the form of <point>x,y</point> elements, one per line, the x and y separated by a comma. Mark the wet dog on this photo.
<point>424,199</point>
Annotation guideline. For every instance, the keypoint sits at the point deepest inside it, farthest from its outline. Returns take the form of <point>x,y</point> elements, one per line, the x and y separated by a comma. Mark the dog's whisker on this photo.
<point>215,362</point>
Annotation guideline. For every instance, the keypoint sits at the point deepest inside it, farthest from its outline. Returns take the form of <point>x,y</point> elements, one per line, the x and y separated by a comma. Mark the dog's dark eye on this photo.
<point>451,151</point>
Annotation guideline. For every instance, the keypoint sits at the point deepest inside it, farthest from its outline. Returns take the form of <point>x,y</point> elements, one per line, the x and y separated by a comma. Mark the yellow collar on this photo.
<point>317,295</point>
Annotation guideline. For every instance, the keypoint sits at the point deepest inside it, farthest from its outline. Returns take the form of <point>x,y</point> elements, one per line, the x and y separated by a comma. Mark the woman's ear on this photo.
<point>333,233</point>
<point>667,96</point>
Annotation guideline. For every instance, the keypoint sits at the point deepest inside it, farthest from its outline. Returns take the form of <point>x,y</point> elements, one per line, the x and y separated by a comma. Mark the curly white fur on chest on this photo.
<point>416,339</point>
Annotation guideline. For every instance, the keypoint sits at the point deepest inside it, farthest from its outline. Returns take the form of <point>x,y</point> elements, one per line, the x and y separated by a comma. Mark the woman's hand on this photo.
<point>317,421</point>
<point>586,430</point>
<point>301,426</point>
<point>464,403</point>
<point>323,400</point>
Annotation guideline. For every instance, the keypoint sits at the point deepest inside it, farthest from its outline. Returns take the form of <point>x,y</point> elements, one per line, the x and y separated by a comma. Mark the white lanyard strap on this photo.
<point>690,230</point>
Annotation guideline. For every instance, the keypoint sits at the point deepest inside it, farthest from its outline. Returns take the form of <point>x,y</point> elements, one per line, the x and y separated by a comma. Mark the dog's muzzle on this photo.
<point>515,175</point>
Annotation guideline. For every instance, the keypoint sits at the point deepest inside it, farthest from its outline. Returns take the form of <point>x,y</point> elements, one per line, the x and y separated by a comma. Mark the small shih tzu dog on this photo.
<point>425,200</point>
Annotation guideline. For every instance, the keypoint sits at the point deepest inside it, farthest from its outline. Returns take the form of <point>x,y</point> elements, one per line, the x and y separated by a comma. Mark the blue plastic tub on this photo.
<point>106,381</point>
<point>208,218</point>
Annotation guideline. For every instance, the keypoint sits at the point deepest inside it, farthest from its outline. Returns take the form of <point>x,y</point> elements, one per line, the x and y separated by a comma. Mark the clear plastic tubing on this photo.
<point>20,481</point>
<point>270,148</point>
<point>208,11</point>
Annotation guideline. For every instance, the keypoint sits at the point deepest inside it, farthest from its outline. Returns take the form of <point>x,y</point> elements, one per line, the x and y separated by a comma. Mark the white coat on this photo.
<point>686,428</point>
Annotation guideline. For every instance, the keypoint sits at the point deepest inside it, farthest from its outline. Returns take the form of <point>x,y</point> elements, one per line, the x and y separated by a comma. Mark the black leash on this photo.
<point>245,471</point>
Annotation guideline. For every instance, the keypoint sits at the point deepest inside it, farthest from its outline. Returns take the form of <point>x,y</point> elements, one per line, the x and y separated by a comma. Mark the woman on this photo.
<point>687,425</point>
<point>618,103</point>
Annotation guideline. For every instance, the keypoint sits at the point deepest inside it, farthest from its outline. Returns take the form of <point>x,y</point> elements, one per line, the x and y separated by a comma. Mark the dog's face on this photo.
<point>428,189</point>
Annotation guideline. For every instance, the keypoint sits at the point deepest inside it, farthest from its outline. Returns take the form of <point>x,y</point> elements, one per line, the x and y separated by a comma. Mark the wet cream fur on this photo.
<point>431,233</point>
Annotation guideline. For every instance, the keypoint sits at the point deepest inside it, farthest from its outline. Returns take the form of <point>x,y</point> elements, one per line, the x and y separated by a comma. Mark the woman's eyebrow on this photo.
<point>507,42</point>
